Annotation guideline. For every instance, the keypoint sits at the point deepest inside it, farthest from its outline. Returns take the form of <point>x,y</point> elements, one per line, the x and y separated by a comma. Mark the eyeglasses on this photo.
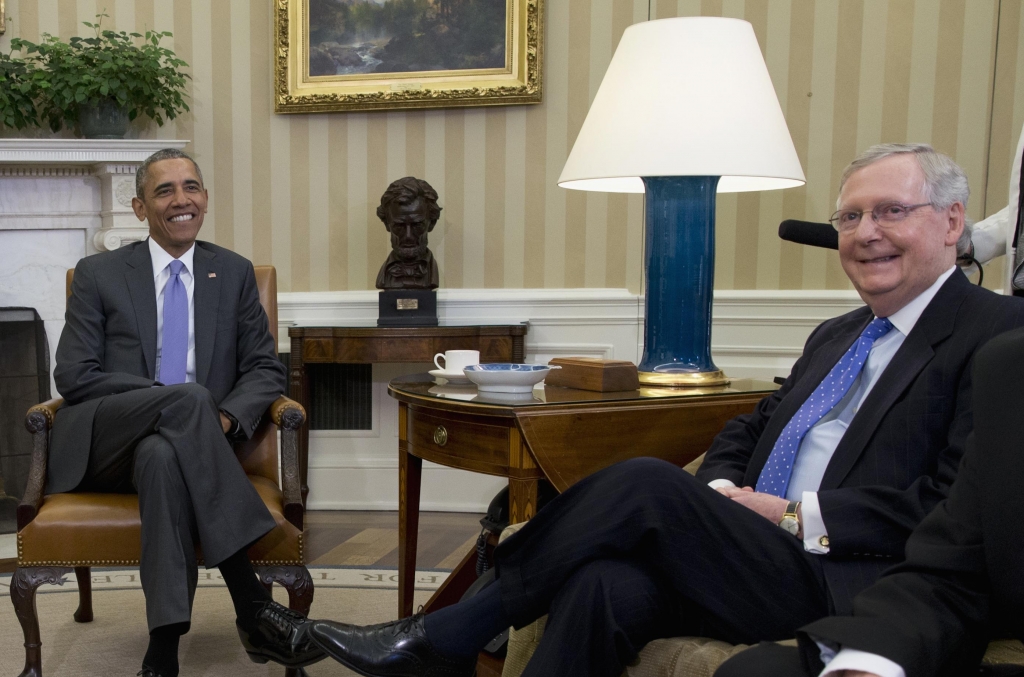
<point>885,214</point>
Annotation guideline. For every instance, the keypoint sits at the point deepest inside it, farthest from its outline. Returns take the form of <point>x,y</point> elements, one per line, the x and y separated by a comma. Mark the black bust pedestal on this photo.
<point>407,308</point>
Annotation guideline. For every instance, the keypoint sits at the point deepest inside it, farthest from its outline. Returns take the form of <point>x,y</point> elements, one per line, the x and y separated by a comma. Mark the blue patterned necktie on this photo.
<point>777,470</point>
<point>174,348</point>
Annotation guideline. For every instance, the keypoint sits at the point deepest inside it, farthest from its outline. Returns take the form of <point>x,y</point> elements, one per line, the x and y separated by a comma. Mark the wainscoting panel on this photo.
<point>757,334</point>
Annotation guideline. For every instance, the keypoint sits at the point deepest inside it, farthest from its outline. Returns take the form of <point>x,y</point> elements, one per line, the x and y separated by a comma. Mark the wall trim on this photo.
<point>565,307</point>
<point>82,151</point>
<point>756,333</point>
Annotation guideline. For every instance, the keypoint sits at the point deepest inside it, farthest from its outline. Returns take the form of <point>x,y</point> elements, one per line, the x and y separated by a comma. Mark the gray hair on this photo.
<point>944,181</point>
<point>165,154</point>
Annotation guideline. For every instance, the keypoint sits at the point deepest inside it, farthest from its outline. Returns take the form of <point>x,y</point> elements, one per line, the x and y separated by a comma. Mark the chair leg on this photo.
<point>23,595</point>
<point>84,613</point>
<point>299,584</point>
<point>296,580</point>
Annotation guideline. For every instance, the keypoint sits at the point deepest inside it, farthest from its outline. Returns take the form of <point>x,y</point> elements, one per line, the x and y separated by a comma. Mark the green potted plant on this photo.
<point>103,82</point>
<point>17,93</point>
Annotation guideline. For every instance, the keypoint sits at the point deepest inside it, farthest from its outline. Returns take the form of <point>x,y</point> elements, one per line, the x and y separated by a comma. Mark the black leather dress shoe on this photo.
<point>282,636</point>
<point>396,649</point>
<point>147,672</point>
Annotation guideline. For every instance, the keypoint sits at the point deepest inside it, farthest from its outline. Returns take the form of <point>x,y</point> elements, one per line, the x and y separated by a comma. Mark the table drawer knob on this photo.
<point>440,436</point>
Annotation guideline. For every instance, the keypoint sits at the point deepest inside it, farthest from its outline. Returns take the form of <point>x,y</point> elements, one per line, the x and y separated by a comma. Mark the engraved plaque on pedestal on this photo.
<point>407,308</point>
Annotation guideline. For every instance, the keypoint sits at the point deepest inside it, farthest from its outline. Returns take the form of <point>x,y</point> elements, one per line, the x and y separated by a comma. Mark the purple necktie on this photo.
<point>775,475</point>
<point>174,350</point>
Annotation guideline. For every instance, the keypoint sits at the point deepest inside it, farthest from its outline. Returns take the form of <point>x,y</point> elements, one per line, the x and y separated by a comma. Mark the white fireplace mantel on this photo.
<point>37,152</point>
<point>79,184</point>
<point>60,200</point>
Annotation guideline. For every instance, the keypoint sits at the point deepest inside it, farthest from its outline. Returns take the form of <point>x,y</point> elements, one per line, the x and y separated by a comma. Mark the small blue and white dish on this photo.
<point>502,377</point>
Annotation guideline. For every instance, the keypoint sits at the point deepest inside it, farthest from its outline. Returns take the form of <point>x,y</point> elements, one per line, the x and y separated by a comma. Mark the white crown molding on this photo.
<point>786,296</point>
<point>756,333</point>
<point>42,171</point>
<point>599,298</point>
<point>82,151</point>
<point>603,351</point>
<point>765,351</point>
<point>115,238</point>
<point>42,178</point>
<point>569,307</point>
<point>467,306</point>
<point>795,302</point>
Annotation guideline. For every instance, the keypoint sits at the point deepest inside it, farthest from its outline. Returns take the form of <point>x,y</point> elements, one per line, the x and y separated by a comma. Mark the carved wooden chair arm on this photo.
<point>289,416</point>
<point>38,420</point>
<point>47,410</point>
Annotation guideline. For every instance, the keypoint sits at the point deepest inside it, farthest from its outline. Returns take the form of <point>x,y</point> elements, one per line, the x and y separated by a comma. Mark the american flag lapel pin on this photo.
<point>213,275</point>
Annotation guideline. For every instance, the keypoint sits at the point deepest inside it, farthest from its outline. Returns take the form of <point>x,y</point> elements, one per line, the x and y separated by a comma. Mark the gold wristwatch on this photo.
<point>790,521</point>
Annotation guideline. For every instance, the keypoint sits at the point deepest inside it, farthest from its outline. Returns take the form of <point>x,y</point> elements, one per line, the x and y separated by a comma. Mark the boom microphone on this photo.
<point>806,232</point>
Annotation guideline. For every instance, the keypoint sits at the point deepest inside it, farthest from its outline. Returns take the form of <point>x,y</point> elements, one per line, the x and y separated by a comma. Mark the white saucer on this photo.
<point>454,392</point>
<point>505,389</point>
<point>453,377</point>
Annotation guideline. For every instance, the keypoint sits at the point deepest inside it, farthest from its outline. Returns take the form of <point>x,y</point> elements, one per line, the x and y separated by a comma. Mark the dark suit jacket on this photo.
<point>108,345</point>
<point>900,454</point>
<point>963,579</point>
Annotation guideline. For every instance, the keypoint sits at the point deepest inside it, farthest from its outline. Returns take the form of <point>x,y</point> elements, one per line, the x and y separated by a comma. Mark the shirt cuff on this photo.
<point>815,534</point>
<point>851,659</point>
<point>716,484</point>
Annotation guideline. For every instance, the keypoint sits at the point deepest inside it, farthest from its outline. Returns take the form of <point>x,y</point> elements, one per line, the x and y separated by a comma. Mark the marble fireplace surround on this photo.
<point>60,200</point>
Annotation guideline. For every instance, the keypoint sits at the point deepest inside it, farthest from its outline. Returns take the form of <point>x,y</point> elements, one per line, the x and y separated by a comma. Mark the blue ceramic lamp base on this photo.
<point>680,275</point>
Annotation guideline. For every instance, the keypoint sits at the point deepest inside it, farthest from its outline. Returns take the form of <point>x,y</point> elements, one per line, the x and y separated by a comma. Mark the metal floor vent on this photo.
<point>341,396</point>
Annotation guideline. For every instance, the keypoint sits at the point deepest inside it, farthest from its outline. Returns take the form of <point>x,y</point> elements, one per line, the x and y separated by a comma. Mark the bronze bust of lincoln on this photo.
<point>409,211</point>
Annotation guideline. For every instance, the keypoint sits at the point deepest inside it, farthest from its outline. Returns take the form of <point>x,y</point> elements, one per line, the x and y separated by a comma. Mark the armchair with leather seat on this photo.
<point>61,532</point>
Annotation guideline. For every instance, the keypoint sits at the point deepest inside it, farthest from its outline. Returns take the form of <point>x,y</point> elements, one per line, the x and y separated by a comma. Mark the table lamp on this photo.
<point>686,109</point>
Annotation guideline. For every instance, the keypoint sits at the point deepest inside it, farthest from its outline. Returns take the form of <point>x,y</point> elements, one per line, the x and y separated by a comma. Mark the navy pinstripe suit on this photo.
<point>642,550</point>
<point>961,583</point>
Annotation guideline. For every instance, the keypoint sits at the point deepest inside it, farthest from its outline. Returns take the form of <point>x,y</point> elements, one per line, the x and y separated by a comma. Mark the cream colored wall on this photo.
<point>300,191</point>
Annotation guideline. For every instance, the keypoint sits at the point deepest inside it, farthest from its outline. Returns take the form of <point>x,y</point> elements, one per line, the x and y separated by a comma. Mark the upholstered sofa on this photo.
<point>684,656</point>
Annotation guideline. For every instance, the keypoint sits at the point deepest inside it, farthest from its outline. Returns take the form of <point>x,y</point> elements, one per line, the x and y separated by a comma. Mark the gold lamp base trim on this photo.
<point>684,379</point>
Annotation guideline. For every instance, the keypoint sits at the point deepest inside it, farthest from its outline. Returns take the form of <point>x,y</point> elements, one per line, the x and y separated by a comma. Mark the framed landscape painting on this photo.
<point>350,55</point>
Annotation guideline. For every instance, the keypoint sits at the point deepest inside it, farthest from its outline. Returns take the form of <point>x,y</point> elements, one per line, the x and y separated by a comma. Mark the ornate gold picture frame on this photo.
<point>360,55</point>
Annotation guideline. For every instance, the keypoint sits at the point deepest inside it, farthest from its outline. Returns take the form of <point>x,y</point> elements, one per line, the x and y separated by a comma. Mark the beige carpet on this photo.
<point>114,643</point>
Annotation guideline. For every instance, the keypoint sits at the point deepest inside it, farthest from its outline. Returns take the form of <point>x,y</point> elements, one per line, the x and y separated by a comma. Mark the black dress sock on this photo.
<point>465,628</point>
<point>247,593</point>
<point>162,654</point>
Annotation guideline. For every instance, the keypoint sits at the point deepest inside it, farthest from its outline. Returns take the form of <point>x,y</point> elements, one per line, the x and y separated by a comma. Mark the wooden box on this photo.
<point>590,373</point>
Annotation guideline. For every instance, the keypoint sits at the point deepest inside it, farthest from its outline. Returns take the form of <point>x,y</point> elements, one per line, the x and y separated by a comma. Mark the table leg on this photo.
<point>522,500</point>
<point>455,586</point>
<point>298,390</point>
<point>410,470</point>
<point>522,491</point>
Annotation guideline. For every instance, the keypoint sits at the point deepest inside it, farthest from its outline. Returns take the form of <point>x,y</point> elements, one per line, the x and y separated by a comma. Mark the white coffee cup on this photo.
<point>456,360</point>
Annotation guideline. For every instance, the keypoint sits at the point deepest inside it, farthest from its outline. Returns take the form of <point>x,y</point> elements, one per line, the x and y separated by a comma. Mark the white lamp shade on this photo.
<point>685,97</point>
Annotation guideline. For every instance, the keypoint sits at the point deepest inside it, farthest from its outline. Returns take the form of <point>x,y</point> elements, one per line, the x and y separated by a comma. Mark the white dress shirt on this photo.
<point>851,659</point>
<point>993,236</point>
<point>161,274</point>
<point>821,440</point>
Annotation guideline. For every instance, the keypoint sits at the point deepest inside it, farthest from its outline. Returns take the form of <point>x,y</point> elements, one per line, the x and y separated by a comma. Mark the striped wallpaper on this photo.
<point>300,191</point>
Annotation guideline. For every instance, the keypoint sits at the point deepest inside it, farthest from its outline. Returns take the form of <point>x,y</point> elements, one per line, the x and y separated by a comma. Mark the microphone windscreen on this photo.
<point>809,233</point>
